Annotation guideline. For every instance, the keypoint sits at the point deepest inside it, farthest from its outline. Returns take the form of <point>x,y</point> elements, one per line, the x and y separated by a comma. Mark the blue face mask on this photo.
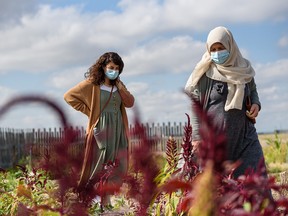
<point>111,74</point>
<point>220,57</point>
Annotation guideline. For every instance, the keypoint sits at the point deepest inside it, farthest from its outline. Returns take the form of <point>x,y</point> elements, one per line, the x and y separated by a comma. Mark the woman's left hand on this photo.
<point>254,111</point>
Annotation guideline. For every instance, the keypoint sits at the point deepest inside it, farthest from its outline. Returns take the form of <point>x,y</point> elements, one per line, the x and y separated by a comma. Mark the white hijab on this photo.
<point>236,71</point>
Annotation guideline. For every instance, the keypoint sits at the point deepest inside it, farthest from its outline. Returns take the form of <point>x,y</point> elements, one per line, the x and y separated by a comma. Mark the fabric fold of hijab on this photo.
<point>236,71</point>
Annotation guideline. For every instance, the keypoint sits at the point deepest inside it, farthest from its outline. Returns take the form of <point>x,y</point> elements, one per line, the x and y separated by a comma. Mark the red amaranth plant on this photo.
<point>171,153</point>
<point>250,194</point>
<point>32,179</point>
<point>101,185</point>
<point>64,167</point>
<point>144,169</point>
<point>190,167</point>
<point>252,189</point>
<point>245,196</point>
<point>213,146</point>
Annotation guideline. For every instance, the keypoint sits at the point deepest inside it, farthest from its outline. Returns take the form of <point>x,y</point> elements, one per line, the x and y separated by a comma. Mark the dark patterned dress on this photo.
<point>242,138</point>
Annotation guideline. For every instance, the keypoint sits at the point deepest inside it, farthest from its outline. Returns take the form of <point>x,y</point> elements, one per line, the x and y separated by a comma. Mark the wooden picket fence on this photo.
<point>16,144</point>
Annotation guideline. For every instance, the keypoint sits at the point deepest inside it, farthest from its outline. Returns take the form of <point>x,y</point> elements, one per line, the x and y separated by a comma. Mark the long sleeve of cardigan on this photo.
<point>75,98</point>
<point>126,96</point>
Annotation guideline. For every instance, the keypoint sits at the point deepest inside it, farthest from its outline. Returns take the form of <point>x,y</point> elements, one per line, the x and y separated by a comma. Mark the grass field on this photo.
<point>275,148</point>
<point>263,138</point>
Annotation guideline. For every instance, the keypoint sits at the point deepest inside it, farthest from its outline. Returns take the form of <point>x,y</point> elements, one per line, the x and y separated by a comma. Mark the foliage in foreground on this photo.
<point>50,187</point>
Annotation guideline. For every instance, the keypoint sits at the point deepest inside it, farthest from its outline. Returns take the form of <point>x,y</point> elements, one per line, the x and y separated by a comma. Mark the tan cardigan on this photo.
<point>85,97</point>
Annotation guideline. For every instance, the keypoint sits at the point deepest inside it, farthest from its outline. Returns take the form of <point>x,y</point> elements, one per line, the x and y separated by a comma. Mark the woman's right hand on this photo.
<point>119,83</point>
<point>126,96</point>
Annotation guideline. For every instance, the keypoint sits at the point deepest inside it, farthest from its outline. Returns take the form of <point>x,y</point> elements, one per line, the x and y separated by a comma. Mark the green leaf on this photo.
<point>247,206</point>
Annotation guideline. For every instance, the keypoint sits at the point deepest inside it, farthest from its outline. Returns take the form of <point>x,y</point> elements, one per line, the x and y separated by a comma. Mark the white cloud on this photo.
<point>162,106</point>
<point>202,15</point>
<point>272,71</point>
<point>138,87</point>
<point>271,81</point>
<point>55,38</point>
<point>66,78</point>
<point>45,41</point>
<point>152,36</point>
<point>12,11</point>
<point>162,55</point>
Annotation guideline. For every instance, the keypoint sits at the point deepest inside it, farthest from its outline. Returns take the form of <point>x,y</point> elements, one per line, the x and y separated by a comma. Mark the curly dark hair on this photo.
<point>96,72</point>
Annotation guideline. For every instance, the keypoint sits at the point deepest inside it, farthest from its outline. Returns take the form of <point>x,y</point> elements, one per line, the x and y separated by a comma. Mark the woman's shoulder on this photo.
<point>251,83</point>
<point>87,83</point>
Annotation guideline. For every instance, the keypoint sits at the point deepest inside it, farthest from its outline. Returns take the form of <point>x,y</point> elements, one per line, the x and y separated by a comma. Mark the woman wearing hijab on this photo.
<point>221,81</point>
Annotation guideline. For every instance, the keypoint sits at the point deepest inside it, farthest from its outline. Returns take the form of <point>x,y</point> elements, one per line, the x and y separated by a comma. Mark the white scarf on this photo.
<point>236,71</point>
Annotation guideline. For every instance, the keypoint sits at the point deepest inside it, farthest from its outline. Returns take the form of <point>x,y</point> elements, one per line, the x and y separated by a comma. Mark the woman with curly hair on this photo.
<point>103,98</point>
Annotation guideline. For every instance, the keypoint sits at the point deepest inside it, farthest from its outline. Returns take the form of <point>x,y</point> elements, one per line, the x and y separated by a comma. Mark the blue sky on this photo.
<point>47,45</point>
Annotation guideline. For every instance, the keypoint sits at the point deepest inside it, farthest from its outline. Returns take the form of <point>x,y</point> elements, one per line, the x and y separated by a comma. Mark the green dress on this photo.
<point>111,140</point>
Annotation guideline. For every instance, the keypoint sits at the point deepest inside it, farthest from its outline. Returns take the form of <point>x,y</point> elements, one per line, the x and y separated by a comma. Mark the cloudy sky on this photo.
<point>46,46</point>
